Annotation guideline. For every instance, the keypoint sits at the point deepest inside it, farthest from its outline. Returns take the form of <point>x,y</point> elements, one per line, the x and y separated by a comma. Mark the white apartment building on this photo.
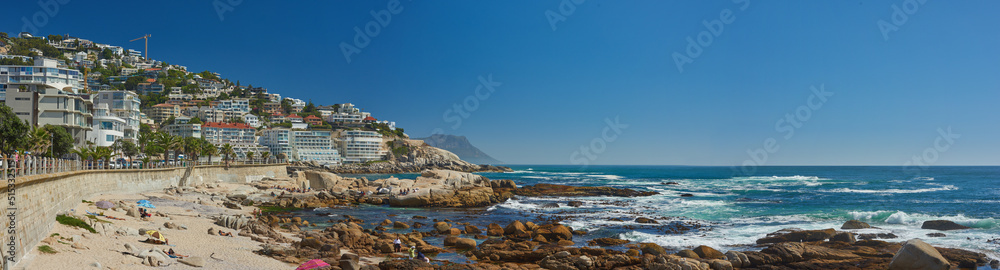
<point>45,94</point>
<point>302,145</point>
<point>182,128</point>
<point>108,128</point>
<point>251,120</point>
<point>238,105</point>
<point>240,136</point>
<point>124,105</point>
<point>358,146</point>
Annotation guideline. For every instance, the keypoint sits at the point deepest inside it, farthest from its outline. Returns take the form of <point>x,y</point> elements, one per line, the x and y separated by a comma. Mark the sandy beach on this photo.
<point>106,249</point>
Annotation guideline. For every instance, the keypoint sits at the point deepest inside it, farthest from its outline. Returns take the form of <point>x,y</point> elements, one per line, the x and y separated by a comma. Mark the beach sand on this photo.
<point>182,209</point>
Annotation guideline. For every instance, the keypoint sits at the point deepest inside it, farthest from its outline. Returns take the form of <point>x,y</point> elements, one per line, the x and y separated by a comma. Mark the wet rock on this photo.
<point>937,234</point>
<point>400,225</point>
<point>494,230</point>
<point>442,227</point>
<point>386,222</point>
<point>854,225</point>
<point>845,237</point>
<point>549,205</point>
<point>942,225</point>
<point>872,236</point>
<point>917,255</point>
<point>645,220</point>
<point>402,264</point>
<point>575,203</point>
<point>669,183</point>
<point>798,236</point>
<point>470,229</point>
<point>606,242</point>
<point>687,195</point>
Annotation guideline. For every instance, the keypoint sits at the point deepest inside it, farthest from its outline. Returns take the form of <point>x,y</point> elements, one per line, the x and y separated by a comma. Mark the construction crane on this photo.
<point>146,51</point>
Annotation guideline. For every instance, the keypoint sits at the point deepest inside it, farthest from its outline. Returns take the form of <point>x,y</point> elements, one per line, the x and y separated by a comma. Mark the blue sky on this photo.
<point>607,60</point>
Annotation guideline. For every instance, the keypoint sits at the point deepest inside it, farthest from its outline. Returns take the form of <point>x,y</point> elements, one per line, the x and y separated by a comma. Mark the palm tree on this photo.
<point>226,150</point>
<point>85,154</point>
<point>40,141</point>
<point>265,156</point>
<point>192,147</point>
<point>209,149</point>
<point>250,156</point>
<point>103,153</point>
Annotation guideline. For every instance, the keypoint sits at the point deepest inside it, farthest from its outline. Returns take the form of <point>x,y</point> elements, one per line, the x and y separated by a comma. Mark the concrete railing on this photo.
<point>27,165</point>
<point>34,201</point>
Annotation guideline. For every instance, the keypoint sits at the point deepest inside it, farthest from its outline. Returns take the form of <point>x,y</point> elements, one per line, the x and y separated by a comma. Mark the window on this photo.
<point>110,138</point>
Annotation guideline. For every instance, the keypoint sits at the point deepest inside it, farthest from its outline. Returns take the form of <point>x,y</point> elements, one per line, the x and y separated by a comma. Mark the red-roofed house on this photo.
<point>294,118</point>
<point>369,119</point>
<point>313,120</point>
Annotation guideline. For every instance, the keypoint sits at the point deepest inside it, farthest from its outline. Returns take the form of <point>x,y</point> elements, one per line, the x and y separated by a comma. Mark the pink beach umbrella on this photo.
<point>313,264</point>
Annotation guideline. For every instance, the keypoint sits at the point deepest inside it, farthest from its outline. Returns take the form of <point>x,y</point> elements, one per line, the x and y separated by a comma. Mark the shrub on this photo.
<point>75,222</point>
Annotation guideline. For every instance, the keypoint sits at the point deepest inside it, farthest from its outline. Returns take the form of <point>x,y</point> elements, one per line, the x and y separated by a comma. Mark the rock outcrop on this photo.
<point>917,255</point>
<point>442,188</point>
<point>942,225</point>
<point>418,157</point>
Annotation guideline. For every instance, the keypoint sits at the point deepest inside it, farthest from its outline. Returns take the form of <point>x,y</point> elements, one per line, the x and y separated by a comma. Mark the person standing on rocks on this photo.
<point>398,244</point>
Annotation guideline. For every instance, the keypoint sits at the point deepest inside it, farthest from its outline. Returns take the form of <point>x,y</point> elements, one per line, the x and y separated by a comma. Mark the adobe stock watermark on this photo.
<point>899,16</point>
<point>565,9</point>
<point>589,152</point>
<point>918,163</point>
<point>221,7</point>
<point>50,8</point>
<point>380,20</point>
<point>463,110</point>
<point>713,29</point>
<point>786,125</point>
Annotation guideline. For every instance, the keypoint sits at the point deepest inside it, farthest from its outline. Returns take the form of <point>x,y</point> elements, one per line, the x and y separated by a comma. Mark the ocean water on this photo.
<point>730,211</point>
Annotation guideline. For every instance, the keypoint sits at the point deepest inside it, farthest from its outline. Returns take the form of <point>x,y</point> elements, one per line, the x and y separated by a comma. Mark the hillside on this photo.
<point>459,145</point>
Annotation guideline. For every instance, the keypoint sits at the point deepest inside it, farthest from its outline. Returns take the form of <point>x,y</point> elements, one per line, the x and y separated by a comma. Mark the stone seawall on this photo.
<point>39,198</point>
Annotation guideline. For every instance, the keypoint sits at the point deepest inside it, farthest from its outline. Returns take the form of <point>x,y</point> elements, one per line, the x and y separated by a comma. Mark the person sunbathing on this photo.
<point>225,233</point>
<point>174,255</point>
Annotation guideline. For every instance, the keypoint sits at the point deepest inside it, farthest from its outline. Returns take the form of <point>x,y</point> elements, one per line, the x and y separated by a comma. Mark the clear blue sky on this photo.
<point>607,59</point>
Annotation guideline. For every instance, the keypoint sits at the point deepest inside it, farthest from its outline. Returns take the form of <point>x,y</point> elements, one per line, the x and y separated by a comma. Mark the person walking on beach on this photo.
<point>398,244</point>
<point>413,252</point>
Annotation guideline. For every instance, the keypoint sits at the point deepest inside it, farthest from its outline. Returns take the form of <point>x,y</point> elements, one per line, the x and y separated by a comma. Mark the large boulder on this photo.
<point>443,188</point>
<point>404,265</point>
<point>854,225</point>
<point>942,225</point>
<point>442,227</point>
<point>515,228</point>
<point>652,249</point>
<point>706,252</point>
<point>494,230</point>
<point>917,255</point>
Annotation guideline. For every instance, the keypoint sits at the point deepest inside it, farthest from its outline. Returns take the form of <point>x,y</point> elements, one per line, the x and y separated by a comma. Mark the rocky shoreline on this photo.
<point>348,242</point>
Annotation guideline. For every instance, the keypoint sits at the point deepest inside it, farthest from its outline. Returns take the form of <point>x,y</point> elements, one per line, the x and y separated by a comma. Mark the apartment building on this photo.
<point>359,146</point>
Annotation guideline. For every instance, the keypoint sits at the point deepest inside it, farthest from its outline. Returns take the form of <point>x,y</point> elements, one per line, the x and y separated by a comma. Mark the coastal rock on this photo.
<point>937,234</point>
<point>917,255</point>
<point>706,252</point>
<point>515,228</point>
<point>442,227</point>
<point>443,188</point>
<point>737,259</point>
<point>645,220</point>
<point>606,242</point>
<point>402,265</point>
<point>400,225</point>
<point>78,245</point>
<point>652,249</point>
<point>845,237</point>
<point>132,212</point>
<point>465,243</point>
<point>942,225</point>
<point>349,265</point>
<point>193,261</point>
<point>549,205</point>
<point>854,225</point>
<point>235,222</point>
<point>687,253</point>
<point>575,203</point>
<point>494,230</point>
<point>470,229</point>
<point>798,236</point>
<point>720,265</point>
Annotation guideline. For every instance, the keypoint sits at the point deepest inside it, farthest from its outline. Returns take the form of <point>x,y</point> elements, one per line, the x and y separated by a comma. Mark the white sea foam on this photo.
<point>606,176</point>
<point>514,204</point>
<point>784,178</point>
<point>893,190</point>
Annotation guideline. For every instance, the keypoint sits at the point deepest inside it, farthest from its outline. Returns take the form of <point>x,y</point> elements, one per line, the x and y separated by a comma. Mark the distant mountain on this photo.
<point>461,147</point>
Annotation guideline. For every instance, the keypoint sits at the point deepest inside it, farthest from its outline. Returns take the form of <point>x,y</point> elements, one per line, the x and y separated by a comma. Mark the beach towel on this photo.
<point>313,264</point>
